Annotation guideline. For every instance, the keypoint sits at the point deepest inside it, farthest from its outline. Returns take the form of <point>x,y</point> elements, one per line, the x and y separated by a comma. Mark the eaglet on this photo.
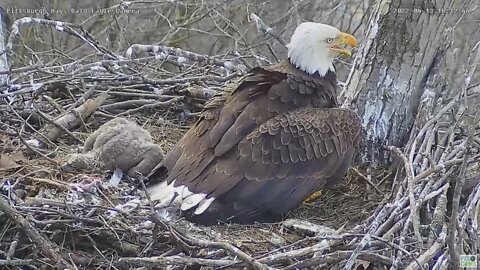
<point>121,144</point>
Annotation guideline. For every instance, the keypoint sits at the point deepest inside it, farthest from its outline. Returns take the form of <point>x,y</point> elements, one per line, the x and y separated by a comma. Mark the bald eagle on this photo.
<point>258,151</point>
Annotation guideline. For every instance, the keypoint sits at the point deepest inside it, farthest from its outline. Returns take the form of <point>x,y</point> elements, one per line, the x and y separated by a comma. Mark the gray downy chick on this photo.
<point>118,143</point>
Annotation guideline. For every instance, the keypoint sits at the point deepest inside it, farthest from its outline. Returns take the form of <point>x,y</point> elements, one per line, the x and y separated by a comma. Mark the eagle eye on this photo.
<point>329,40</point>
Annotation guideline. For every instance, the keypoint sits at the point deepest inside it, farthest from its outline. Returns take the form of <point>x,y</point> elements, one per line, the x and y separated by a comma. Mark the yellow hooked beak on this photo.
<point>339,42</point>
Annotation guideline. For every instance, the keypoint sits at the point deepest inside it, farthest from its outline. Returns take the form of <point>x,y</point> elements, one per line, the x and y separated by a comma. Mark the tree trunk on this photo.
<point>3,40</point>
<point>395,68</point>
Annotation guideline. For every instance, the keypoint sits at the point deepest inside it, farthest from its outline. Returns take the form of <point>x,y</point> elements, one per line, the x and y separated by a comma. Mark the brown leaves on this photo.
<point>10,162</point>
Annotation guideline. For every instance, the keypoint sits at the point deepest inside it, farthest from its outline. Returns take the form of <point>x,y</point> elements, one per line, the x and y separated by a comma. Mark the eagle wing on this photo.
<point>307,142</point>
<point>239,163</point>
<point>226,119</point>
<point>275,167</point>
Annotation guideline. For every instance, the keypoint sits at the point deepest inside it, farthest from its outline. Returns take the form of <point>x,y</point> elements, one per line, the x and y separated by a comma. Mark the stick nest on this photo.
<point>377,219</point>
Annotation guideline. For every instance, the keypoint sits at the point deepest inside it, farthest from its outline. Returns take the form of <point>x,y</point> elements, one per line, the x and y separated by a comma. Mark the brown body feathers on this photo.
<point>258,151</point>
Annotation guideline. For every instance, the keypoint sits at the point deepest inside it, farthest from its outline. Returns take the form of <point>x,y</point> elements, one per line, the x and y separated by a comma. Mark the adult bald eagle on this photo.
<point>258,151</point>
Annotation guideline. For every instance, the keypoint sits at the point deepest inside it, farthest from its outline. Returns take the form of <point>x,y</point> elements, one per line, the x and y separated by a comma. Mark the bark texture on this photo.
<point>405,47</point>
<point>3,38</point>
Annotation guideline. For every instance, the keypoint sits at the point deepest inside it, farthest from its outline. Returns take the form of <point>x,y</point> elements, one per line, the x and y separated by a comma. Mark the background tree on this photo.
<point>412,53</point>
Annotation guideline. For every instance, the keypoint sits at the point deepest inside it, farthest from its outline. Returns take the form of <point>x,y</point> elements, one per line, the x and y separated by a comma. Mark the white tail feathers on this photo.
<point>169,195</point>
<point>203,205</point>
<point>192,200</point>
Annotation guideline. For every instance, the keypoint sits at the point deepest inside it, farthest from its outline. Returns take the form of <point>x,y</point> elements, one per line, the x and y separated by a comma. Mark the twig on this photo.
<point>152,106</point>
<point>35,150</point>
<point>367,180</point>
<point>136,48</point>
<point>16,262</point>
<point>452,230</point>
<point>171,260</point>
<point>267,30</point>
<point>59,26</point>
<point>57,125</point>
<point>48,248</point>
<point>431,252</point>
<point>191,79</point>
<point>439,167</point>
<point>135,103</point>
<point>83,98</point>
<point>226,246</point>
<point>414,216</point>
<point>75,117</point>
<point>338,256</point>
<point>374,225</point>
<point>13,246</point>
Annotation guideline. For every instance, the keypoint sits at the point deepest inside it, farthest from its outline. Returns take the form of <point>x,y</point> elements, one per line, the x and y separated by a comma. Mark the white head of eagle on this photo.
<point>314,46</point>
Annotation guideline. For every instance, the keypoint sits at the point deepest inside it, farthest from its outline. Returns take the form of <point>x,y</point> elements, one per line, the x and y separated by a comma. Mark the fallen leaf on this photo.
<point>8,163</point>
<point>361,265</point>
<point>4,138</point>
<point>19,157</point>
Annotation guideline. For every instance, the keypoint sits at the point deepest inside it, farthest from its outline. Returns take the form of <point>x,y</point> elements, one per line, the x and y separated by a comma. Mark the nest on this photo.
<point>376,219</point>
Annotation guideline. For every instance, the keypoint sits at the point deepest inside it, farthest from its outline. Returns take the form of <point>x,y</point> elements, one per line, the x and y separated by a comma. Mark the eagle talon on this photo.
<point>313,197</point>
